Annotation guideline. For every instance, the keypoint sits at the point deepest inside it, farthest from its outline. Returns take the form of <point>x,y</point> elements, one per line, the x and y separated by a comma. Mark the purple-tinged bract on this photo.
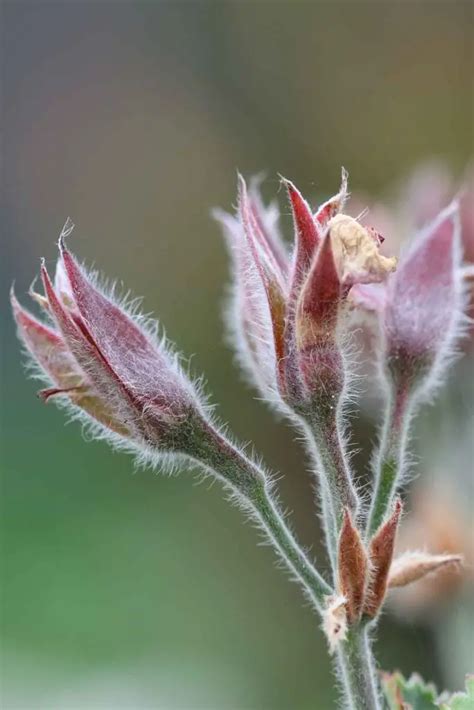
<point>107,364</point>
<point>425,303</point>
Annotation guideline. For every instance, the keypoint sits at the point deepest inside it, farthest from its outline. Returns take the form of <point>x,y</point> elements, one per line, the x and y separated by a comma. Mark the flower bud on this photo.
<point>107,365</point>
<point>310,228</point>
<point>348,254</point>
<point>311,360</point>
<point>258,303</point>
<point>317,312</point>
<point>352,568</point>
<point>380,554</point>
<point>307,232</point>
<point>285,312</point>
<point>56,362</point>
<point>424,312</point>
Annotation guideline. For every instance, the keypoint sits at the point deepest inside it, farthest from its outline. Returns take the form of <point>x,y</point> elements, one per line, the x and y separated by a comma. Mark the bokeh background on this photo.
<point>124,589</point>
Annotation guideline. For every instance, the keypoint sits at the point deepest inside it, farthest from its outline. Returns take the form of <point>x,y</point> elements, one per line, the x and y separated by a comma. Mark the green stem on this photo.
<point>326,444</point>
<point>250,483</point>
<point>330,444</point>
<point>328,515</point>
<point>357,672</point>
<point>391,456</point>
<point>354,657</point>
<point>284,541</point>
<point>330,525</point>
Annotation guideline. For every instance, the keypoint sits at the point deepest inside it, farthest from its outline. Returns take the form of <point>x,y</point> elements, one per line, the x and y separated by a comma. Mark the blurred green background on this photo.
<point>125,589</point>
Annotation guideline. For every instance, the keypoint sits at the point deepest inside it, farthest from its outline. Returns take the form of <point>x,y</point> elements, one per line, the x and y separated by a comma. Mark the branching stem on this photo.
<point>326,445</point>
<point>251,485</point>
<point>354,657</point>
<point>391,456</point>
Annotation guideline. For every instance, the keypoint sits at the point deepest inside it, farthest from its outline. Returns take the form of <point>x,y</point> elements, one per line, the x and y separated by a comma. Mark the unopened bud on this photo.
<point>352,568</point>
<point>423,315</point>
<point>99,359</point>
<point>286,311</point>
<point>318,303</point>
<point>381,554</point>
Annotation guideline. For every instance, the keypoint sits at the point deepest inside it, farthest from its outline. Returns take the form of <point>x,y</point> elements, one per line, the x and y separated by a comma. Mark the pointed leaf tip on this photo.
<point>334,205</point>
<point>13,298</point>
<point>319,300</point>
<point>307,234</point>
<point>412,566</point>
<point>344,183</point>
<point>352,567</point>
<point>381,554</point>
<point>241,184</point>
<point>65,232</point>
<point>425,311</point>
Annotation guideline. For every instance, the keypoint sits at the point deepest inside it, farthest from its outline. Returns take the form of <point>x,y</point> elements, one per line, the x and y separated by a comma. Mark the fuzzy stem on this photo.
<point>330,528</point>
<point>391,455</point>
<point>356,671</point>
<point>326,444</point>
<point>287,547</point>
<point>251,485</point>
<point>330,445</point>
<point>354,657</point>
<point>328,516</point>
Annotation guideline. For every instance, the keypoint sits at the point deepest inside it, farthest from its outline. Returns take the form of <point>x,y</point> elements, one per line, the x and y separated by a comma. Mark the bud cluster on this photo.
<point>367,571</point>
<point>287,307</point>
<point>289,325</point>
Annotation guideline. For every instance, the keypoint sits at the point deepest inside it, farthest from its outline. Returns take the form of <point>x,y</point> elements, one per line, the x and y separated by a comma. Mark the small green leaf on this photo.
<point>415,694</point>
<point>411,694</point>
<point>420,695</point>
<point>461,701</point>
<point>391,686</point>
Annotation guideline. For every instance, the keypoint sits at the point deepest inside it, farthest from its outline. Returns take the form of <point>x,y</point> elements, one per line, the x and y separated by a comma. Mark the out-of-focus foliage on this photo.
<point>414,694</point>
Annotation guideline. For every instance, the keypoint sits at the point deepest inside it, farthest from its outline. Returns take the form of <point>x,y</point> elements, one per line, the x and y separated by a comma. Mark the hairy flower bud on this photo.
<point>285,311</point>
<point>352,568</point>
<point>422,306</point>
<point>424,310</point>
<point>381,549</point>
<point>316,321</point>
<point>307,232</point>
<point>51,354</point>
<point>348,254</point>
<point>107,364</point>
